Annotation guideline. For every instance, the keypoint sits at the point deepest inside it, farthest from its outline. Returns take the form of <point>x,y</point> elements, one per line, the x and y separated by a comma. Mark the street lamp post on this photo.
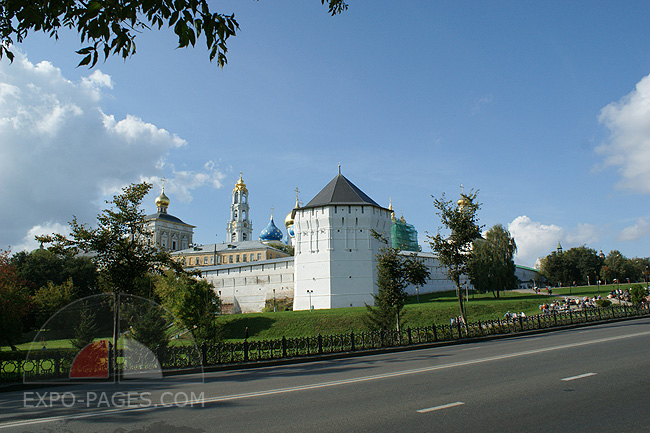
<point>311,307</point>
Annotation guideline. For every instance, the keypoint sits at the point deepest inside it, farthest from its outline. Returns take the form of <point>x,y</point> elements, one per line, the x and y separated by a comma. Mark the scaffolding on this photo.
<point>404,236</point>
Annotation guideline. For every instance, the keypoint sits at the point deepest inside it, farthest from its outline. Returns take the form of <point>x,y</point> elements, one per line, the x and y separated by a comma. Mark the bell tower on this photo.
<point>240,227</point>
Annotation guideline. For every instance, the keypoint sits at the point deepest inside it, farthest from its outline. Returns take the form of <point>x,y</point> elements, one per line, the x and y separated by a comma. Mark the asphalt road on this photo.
<point>594,379</point>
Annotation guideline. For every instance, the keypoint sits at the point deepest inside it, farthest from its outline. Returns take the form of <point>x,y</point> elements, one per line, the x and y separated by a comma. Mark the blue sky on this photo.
<point>541,106</point>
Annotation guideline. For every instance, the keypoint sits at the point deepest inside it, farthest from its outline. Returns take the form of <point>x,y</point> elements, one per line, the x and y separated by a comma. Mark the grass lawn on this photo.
<point>593,290</point>
<point>436,308</point>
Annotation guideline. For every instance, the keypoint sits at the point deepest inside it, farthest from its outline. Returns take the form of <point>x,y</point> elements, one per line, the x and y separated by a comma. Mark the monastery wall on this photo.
<point>245,288</point>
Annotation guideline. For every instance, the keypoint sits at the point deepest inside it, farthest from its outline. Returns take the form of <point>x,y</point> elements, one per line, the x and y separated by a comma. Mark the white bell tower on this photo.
<point>240,227</point>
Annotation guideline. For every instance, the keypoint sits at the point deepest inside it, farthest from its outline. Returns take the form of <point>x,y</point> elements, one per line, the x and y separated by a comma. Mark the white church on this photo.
<point>334,263</point>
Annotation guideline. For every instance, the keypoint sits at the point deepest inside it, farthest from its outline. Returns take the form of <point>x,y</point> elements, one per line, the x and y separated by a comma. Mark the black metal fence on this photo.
<point>56,364</point>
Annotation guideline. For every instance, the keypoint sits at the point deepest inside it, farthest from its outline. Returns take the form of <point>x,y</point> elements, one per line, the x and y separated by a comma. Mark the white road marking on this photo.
<point>317,385</point>
<point>444,406</point>
<point>580,376</point>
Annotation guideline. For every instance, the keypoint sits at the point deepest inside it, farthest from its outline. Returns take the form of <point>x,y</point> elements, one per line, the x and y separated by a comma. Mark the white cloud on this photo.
<point>584,234</point>
<point>61,153</point>
<point>629,143</point>
<point>641,228</point>
<point>183,182</point>
<point>29,242</point>
<point>533,239</point>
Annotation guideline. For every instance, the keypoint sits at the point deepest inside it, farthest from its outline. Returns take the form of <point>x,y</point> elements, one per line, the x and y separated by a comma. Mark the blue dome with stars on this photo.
<point>271,233</point>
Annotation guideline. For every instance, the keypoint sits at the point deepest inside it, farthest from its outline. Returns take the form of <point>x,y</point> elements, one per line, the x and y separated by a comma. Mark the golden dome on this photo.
<point>288,221</point>
<point>390,208</point>
<point>240,185</point>
<point>162,200</point>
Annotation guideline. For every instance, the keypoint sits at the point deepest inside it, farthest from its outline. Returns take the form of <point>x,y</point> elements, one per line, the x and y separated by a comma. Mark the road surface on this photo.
<point>594,379</point>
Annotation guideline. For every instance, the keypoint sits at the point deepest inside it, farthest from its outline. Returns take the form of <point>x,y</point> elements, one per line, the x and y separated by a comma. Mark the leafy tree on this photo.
<point>110,26</point>
<point>42,266</point>
<point>14,302</point>
<point>579,265</point>
<point>492,266</point>
<point>454,251</point>
<point>614,267</point>
<point>86,329</point>
<point>395,271</point>
<point>282,247</point>
<point>119,245</point>
<point>149,326</point>
<point>638,294</point>
<point>52,297</point>
<point>193,301</point>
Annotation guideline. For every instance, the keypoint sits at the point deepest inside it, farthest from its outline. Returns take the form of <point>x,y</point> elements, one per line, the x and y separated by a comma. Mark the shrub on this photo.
<point>603,302</point>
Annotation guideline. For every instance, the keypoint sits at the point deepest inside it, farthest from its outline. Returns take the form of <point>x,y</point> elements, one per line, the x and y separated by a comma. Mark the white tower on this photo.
<point>335,253</point>
<point>240,227</point>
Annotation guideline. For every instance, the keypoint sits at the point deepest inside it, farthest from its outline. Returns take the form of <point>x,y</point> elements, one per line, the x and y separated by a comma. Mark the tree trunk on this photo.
<point>461,306</point>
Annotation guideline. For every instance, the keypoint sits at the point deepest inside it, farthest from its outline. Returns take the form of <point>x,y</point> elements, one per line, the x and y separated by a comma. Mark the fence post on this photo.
<point>625,309</point>
<point>320,344</point>
<point>204,354</point>
<point>284,346</point>
<point>570,317</point>
<point>554,318</point>
<point>521,323</point>
<point>408,332</point>
<point>435,333</point>
<point>352,341</point>
<point>57,364</point>
<point>539,323</point>
<point>586,317</point>
<point>460,335</point>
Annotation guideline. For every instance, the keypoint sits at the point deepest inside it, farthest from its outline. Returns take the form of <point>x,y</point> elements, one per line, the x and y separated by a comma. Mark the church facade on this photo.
<point>167,231</point>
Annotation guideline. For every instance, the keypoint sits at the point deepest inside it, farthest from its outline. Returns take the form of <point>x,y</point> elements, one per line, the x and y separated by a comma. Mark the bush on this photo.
<point>603,302</point>
<point>637,294</point>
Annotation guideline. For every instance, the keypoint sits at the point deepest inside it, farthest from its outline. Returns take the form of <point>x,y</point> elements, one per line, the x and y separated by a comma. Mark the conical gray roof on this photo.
<point>340,191</point>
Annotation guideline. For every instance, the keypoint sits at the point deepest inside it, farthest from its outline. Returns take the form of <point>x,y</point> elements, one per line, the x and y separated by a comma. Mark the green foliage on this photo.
<point>148,326</point>
<point>110,26</point>
<point>14,301</point>
<point>119,245</point>
<point>193,301</point>
<point>492,266</point>
<point>52,297</point>
<point>282,247</point>
<point>638,294</point>
<point>618,268</point>
<point>453,251</point>
<point>86,329</point>
<point>395,272</point>
<point>577,266</point>
<point>603,302</point>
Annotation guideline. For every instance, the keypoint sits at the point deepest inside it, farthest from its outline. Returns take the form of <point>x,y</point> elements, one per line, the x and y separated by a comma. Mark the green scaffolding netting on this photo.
<point>404,236</point>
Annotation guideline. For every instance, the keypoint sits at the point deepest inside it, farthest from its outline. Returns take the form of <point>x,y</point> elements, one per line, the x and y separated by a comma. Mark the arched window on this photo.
<point>244,236</point>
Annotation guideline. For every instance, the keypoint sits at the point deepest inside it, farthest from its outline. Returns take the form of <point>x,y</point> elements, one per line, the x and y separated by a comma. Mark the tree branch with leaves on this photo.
<point>395,272</point>
<point>453,251</point>
<point>110,27</point>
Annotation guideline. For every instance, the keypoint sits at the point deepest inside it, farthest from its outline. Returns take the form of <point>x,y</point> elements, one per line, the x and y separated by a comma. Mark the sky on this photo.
<point>541,107</point>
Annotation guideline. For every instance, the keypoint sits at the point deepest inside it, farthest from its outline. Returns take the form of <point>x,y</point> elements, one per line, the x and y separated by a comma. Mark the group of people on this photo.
<point>512,316</point>
<point>621,295</point>
<point>566,304</point>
